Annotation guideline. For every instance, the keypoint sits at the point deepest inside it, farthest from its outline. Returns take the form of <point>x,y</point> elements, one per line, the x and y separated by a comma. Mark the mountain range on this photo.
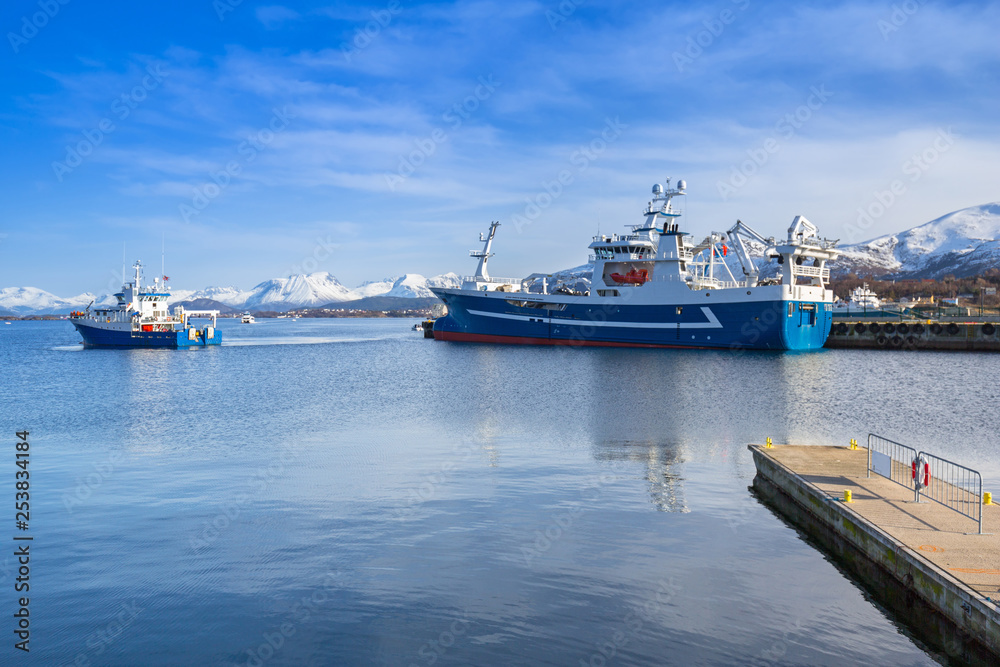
<point>313,290</point>
<point>962,243</point>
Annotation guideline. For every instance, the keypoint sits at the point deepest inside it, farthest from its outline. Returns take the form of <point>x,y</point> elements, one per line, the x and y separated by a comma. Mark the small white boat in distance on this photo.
<point>862,299</point>
<point>247,318</point>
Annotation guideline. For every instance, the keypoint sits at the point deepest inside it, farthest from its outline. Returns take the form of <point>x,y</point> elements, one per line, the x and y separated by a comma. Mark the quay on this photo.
<point>914,334</point>
<point>925,561</point>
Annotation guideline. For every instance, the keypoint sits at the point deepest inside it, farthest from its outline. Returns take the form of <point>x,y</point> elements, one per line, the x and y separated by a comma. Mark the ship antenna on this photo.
<point>163,254</point>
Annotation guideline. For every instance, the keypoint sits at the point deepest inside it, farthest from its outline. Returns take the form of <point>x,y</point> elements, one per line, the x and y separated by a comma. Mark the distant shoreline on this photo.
<point>318,313</point>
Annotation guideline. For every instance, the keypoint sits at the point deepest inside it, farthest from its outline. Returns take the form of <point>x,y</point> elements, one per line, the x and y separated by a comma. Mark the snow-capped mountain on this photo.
<point>374,288</point>
<point>231,296</point>
<point>963,243</point>
<point>448,280</point>
<point>299,291</point>
<point>576,279</point>
<point>411,286</point>
<point>33,301</point>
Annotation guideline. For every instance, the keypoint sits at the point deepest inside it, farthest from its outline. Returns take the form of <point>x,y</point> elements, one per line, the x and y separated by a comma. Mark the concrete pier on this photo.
<point>924,561</point>
<point>914,335</point>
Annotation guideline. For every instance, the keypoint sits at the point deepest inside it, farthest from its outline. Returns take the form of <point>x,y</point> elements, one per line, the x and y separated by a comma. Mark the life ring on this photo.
<point>925,479</point>
<point>952,328</point>
<point>859,328</point>
<point>903,328</point>
<point>881,341</point>
<point>874,327</point>
<point>918,328</point>
<point>936,329</point>
<point>890,328</point>
<point>989,329</point>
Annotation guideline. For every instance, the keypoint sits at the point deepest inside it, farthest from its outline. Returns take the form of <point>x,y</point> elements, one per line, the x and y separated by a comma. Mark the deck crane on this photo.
<point>736,235</point>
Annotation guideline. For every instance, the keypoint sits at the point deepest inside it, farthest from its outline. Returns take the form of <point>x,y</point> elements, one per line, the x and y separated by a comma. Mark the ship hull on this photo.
<point>777,324</point>
<point>98,336</point>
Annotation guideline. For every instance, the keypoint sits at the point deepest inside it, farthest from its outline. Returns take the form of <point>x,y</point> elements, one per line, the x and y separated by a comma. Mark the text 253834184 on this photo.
<point>22,541</point>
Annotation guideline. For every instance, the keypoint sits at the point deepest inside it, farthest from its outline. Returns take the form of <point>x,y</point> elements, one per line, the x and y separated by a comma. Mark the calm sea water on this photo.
<point>334,492</point>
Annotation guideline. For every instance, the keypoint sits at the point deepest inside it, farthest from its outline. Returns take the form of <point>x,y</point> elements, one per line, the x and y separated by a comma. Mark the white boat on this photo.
<point>248,319</point>
<point>862,299</point>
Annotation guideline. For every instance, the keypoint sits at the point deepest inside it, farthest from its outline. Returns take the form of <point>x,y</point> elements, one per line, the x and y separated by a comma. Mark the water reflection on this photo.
<point>662,464</point>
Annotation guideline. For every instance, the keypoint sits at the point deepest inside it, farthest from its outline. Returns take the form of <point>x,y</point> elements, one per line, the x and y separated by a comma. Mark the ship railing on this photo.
<point>480,279</point>
<point>714,283</point>
<point>812,271</point>
<point>640,256</point>
<point>951,484</point>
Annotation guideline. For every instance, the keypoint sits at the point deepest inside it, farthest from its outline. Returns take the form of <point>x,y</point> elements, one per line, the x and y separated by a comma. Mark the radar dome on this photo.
<point>681,185</point>
<point>657,189</point>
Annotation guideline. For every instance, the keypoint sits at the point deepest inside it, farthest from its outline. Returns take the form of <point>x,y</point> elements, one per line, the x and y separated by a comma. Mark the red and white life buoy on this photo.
<point>925,480</point>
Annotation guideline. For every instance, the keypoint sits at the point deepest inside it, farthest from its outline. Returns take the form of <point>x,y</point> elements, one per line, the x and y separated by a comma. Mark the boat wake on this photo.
<point>302,340</point>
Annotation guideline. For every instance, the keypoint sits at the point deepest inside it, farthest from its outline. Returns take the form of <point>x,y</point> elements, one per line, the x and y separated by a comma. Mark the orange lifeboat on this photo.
<point>633,277</point>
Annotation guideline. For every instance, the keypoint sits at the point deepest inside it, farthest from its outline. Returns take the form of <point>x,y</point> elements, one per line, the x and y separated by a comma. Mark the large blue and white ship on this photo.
<point>653,287</point>
<point>141,319</point>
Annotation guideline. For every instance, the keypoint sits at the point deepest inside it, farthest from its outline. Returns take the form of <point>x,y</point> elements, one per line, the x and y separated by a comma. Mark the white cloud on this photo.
<point>274,16</point>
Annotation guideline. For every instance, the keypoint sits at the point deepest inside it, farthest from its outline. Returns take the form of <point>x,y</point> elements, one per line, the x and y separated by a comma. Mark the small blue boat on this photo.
<point>141,319</point>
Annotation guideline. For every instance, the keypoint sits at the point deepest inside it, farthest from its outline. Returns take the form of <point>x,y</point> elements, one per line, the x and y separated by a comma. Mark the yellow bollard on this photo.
<point>854,443</point>
<point>847,496</point>
<point>768,444</point>
<point>987,498</point>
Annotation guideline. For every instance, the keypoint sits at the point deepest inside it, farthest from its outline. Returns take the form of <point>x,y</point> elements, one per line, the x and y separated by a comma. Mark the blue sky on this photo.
<point>371,140</point>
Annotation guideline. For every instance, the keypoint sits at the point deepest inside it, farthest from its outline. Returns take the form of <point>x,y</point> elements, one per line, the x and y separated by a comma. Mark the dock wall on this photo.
<point>945,612</point>
<point>911,335</point>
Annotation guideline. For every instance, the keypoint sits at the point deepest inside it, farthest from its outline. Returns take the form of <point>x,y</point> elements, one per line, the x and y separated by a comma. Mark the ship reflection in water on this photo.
<point>662,462</point>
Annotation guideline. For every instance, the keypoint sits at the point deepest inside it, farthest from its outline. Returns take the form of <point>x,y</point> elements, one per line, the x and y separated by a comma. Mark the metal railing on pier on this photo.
<point>951,485</point>
<point>945,482</point>
<point>890,459</point>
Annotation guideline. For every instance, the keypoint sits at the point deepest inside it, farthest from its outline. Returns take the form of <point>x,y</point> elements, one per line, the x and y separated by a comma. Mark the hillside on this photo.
<point>962,243</point>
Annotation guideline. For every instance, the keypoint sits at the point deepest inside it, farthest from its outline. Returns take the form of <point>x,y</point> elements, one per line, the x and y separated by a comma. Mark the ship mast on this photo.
<point>485,253</point>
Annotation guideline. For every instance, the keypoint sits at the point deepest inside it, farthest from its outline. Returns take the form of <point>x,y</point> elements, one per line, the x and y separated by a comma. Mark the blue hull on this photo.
<point>98,337</point>
<point>750,325</point>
